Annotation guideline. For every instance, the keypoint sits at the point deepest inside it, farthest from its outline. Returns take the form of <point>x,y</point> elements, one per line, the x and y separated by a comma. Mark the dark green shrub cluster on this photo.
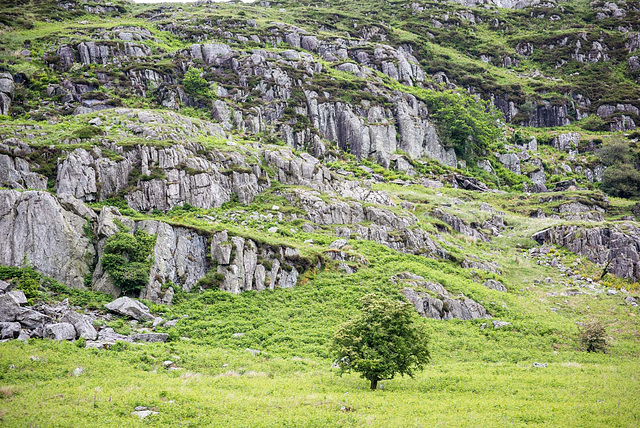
<point>212,279</point>
<point>621,178</point>
<point>593,123</point>
<point>464,122</point>
<point>593,336</point>
<point>28,280</point>
<point>86,132</point>
<point>195,84</point>
<point>127,259</point>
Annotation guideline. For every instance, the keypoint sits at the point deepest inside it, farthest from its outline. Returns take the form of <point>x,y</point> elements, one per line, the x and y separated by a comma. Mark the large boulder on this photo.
<point>9,307</point>
<point>9,330</point>
<point>131,308</point>
<point>60,331</point>
<point>31,319</point>
<point>82,324</point>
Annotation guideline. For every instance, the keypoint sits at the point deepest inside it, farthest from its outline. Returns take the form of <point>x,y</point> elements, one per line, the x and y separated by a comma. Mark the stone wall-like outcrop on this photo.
<point>50,233</point>
<point>183,256</point>
<point>7,88</point>
<point>36,228</point>
<point>15,173</point>
<point>432,300</point>
<point>617,247</point>
<point>166,177</point>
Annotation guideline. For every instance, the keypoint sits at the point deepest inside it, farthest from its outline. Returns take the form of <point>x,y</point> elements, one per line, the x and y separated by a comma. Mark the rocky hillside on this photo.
<point>251,170</point>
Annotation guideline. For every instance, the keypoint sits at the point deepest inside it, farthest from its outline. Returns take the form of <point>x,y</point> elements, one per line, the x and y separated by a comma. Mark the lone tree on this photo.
<point>383,340</point>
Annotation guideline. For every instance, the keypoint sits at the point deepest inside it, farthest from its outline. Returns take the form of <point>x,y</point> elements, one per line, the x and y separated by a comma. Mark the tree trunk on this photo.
<point>374,383</point>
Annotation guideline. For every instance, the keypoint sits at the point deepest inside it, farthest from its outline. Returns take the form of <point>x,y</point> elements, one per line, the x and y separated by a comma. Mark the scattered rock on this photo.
<point>131,308</point>
<point>143,413</point>
<point>443,307</point>
<point>495,285</point>
<point>500,324</point>
<point>60,331</point>
<point>84,327</point>
<point>9,330</point>
<point>150,337</point>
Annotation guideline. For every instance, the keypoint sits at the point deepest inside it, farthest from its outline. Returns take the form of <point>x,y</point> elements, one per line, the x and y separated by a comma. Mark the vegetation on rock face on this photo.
<point>241,205</point>
<point>195,84</point>
<point>385,339</point>
<point>622,177</point>
<point>127,259</point>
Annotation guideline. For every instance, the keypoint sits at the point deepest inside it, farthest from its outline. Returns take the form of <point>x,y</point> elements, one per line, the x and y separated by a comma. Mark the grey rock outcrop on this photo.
<point>60,331</point>
<point>487,266</point>
<point>7,89</point>
<point>377,132</point>
<point>495,285</point>
<point>616,247</point>
<point>179,257</point>
<point>567,142</point>
<point>432,300</point>
<point>34,226</point>
<point>182,175</point>
<point>15,173</point>
<point>458,225</point>
<point>86,53</point>
<point>82,324</point>
<point>305,170</point>
<point>250,265</point>
<point>150,337</point>
<point>511,161</point>
<point>130,308</point>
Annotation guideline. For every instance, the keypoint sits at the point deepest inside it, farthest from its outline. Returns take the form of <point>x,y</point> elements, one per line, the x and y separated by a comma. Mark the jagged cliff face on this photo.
<point>255,148</point>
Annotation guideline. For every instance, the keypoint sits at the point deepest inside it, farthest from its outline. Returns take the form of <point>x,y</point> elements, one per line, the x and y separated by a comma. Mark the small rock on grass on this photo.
<point>150,337</point>
<point>500,324</point>
<point>143,413</point>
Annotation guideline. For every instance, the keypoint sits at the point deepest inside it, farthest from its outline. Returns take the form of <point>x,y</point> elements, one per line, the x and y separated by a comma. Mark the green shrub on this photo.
<point>593,123</point>
<point>29,283</point>
<point>127,259</point>
<point>212,279</point>
<point>195,84</point>
<point>86,132</point>
<point>593,336</point>
<point>621,178</point>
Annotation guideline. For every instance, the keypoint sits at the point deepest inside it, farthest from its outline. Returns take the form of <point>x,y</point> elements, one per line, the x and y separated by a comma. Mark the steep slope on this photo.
<point>251,170</point>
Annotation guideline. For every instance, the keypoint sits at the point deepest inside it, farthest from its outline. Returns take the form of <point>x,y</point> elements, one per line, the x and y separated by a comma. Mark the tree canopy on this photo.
<point>383,340</point>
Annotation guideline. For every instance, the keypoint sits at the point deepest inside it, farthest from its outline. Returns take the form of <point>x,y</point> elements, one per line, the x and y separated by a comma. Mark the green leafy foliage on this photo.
<point>212,279</point>
<point>385,339</point>
<point>26,279</point>
<point>127,259</point>
<point>621,178</point>
<point>464,122</point>
<point>195,84</point>
<point>86,132</point>
<point>593,336</point>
